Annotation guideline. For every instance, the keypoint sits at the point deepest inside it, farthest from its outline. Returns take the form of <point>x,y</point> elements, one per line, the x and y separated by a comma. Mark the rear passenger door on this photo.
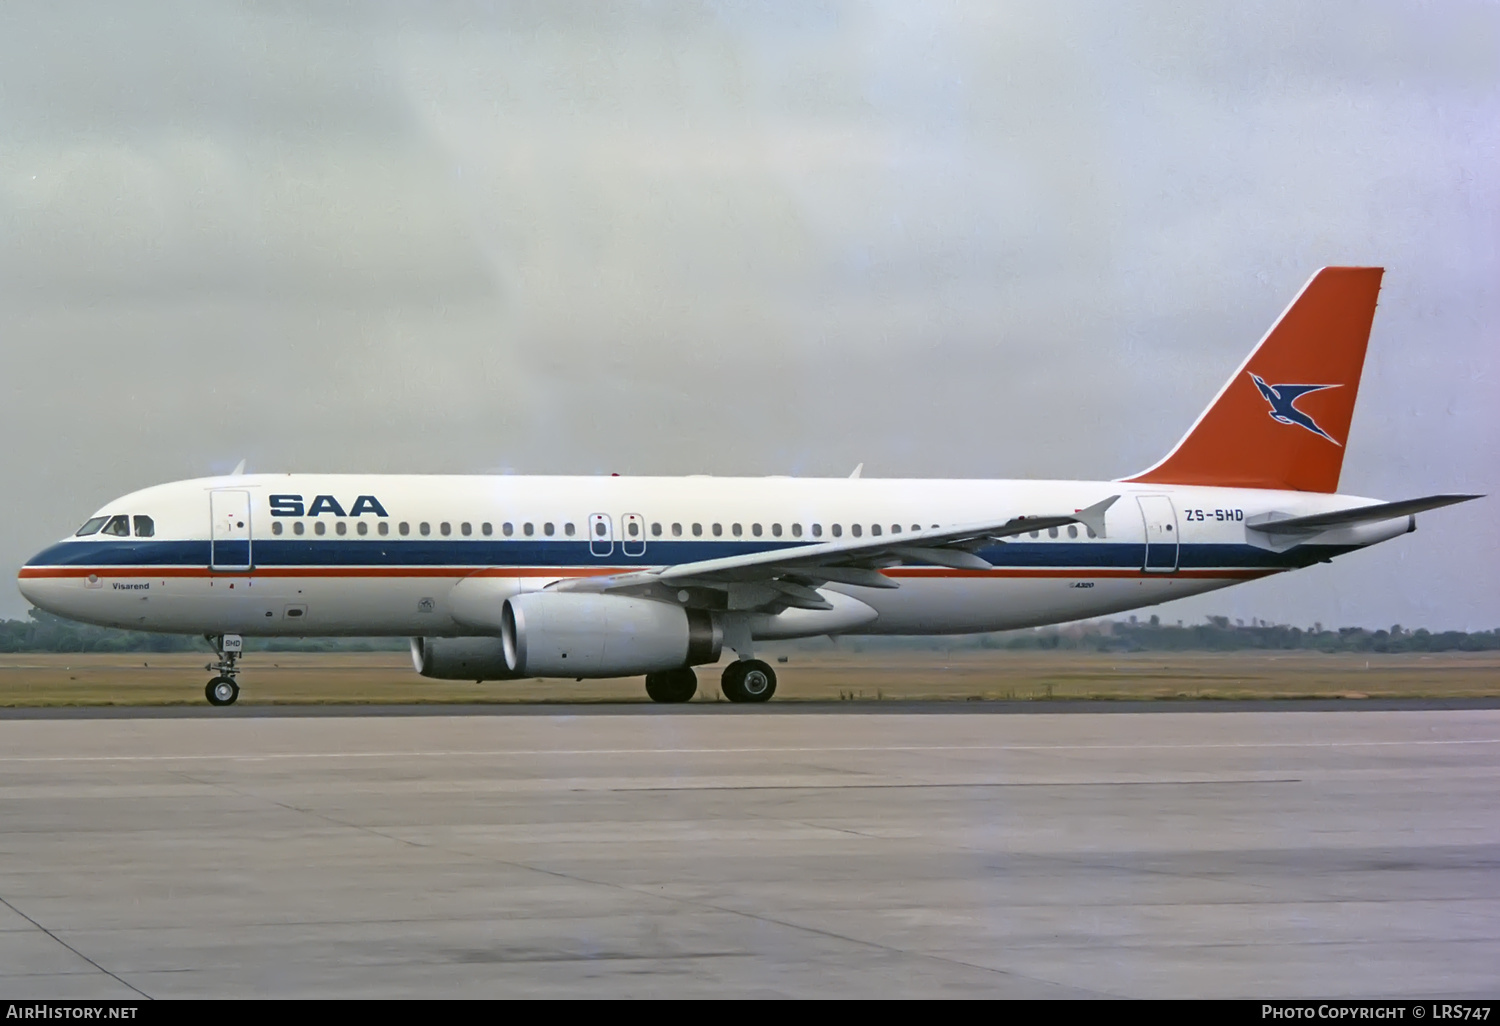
<point>1160,518</point>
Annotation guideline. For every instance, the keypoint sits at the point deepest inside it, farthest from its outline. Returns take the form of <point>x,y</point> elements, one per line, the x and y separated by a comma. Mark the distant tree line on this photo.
<point>43,632</point>
<point>1219,635</point>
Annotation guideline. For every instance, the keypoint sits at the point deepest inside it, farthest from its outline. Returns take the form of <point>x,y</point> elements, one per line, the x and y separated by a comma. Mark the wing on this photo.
<point>790,576</point>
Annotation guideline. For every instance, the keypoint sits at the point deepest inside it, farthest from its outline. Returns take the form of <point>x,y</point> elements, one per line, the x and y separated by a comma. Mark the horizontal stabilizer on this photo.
<point>1360,515</point>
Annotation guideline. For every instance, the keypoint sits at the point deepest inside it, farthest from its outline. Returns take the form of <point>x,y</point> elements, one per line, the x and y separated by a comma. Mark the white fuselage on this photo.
<point>315,554</point>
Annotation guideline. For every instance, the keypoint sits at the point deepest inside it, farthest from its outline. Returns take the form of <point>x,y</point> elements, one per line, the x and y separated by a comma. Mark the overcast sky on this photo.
<point>984,240</point>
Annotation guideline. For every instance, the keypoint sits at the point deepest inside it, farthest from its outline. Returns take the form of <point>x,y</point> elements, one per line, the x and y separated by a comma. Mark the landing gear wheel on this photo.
<point>222,691</point>
<point>672,685</point>
<point>749,680</point>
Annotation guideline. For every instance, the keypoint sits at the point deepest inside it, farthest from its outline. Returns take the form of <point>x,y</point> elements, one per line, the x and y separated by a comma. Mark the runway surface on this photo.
<point>1286,854</point>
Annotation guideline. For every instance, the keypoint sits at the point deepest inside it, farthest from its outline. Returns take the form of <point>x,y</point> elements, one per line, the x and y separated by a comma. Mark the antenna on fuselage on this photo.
<point>857,471</point>
<point>239,469</point>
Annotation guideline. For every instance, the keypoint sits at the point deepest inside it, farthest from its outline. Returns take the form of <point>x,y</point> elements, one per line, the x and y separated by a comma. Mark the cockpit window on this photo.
<point>118,526</point>
<point>92,527</point>
<point>145,527</point>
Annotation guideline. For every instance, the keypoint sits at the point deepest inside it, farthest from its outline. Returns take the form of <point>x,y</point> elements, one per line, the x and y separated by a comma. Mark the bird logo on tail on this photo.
<point>1283,400</point>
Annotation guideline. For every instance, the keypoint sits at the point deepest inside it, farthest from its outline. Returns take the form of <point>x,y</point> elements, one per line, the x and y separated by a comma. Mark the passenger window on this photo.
<point>276,527</point>
<point>755,530</point>
<point>384,529</point>
<point>297,527</point>
<point>736,530</point>
<point>465,528</point>
<point>1072,530</point>
<point>340,528</point>
<point>1036,534</point>
<point>895,528</point>
<point>486,528</point>
<point>507,529</point>
<point>656,530</point>
<point>424,528</point>
<point>145,527</point>
<point>874,529</point>
<point>631,528</point>
<point>1051,532</point>
<point>90,527</point>
<point>569,529</point>
<point>118,526</point>
<point>918,527</point>
<point>527,529</point>
<point>697,530</point>
<point>599,529</point>
<point>776,530</point>
<point>547,529</point>
<point>676,530</point>
<point>362,528</point>
<point>1090,530</point>
<point>718,530</point>
<point>855,530</point>
<point>817,530</point>
<point>319,527</point>
<point>796,530</point>
<point>404,529</point>
<point>445,529</point>
<point>838,530</point>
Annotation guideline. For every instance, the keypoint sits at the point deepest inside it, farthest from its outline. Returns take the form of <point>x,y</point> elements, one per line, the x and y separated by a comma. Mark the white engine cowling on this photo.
<point>460,658</point>
<point>573,634</point>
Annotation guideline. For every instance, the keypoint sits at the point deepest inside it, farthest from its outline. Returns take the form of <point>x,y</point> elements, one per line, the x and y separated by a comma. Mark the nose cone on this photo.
<point>31,586</point>
<point>39,584</point>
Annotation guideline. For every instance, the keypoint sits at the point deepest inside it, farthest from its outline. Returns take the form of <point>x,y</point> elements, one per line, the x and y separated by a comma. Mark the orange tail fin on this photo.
<point>1282,419</point>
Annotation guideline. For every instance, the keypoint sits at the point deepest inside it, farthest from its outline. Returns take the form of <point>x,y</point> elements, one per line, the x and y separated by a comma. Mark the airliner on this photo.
<point>497,578</point>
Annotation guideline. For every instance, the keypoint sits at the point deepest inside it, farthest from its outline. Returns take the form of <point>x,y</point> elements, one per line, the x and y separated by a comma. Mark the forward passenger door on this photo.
<point>229,529</point>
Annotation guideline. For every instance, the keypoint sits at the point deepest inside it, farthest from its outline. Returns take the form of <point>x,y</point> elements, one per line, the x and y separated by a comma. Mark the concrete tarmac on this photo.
<point>1228,854</point>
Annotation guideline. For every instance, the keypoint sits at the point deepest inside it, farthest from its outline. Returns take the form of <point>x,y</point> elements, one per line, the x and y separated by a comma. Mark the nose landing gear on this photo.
<point>222,690</point>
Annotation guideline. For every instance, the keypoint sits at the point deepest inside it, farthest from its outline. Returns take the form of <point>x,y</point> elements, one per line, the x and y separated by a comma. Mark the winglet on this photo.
<point>1093,517</point>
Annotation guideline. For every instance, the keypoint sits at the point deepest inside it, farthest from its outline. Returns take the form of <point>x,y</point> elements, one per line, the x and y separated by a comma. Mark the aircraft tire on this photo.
<point>749,680</point>
<point>672,685</point>
<point>222,691</point>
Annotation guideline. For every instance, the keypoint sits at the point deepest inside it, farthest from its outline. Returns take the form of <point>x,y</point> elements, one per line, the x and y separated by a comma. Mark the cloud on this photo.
<point>940,239</point>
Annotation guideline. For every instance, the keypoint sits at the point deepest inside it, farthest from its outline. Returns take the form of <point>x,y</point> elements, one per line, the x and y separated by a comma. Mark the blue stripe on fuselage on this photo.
<point>480,552</point>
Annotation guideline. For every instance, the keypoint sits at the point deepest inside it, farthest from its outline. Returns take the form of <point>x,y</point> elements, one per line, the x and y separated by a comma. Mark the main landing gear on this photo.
<point>744,680</point>
<point>222,690</point>
<point>673,685</point>
<point>749,680</point>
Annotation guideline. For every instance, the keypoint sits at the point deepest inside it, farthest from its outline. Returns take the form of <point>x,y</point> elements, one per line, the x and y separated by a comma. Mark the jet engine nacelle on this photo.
<point>460,658</point>
<point>572,634</point>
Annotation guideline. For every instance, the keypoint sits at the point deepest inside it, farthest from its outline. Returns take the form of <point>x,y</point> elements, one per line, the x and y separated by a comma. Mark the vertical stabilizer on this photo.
<point>1282,419</point>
